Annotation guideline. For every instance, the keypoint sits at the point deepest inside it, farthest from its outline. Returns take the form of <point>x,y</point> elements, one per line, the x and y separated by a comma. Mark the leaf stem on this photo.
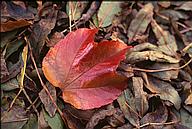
<point>160,70</point>
<point>44,86</point>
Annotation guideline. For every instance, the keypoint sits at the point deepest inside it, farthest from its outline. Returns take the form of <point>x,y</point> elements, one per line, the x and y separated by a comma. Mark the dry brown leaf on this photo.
<point>141,102</point>
<point>127,104</point>
<point>141,21</point>
<point>157,56</point>
<point>188,101</point>
<point>166,41</point>
<point>165,91</point>
<point>49,106</point>
<point>164,75</point>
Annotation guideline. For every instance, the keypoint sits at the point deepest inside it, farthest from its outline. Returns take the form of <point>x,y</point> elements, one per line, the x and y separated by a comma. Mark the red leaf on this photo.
<point>85,70</point>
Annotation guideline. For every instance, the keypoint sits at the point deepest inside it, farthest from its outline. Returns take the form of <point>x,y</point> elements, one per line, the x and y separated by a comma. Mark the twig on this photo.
<point>132,109</point>
<point>70,15</point>
<point>24,57</point>
<point>92,10</point>
<point>158,124</point>
<point>28,98</point>
<point>159,70</point>
<point>44,86</point>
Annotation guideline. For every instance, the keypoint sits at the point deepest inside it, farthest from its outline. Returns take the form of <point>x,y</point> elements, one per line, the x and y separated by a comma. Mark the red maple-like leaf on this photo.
<point>85,70</point>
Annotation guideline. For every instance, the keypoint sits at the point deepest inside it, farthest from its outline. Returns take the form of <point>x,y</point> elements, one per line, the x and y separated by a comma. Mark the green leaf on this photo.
<point>107,11</point>
<point>13,47</point>
<point>32,123</point>
<point>6,37</point>
<point>10,85</point>
<point>55,122</point>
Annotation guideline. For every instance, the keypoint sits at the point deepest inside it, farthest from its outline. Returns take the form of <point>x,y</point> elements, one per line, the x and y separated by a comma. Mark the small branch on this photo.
<point>92,10</point>
<point>160,70</point>
<point>44,86</point>
<point>158,124</point>
<point>132,110</point>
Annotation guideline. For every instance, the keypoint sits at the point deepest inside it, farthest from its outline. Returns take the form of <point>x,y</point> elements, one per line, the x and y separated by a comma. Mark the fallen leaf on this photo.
<point>117,119</point>
<point>32,123</point>
<point>41,30</point>
<point>189,100</point>
<point>13,69</point>
<point>185,75</point>
<point>107,11</point>
<point>85,70</point>
<point>72,122</point>
<point>77,8</point>
<point>187,6</point>
<point>126,126</point>
<point>10,85</point>
<point>144,46</point>
<point>80,114</point>
<point>127,104</point>
<point>188,49</point>
<point>160,115</point>
<point>175,15</point>
<point>4,70</point>
<point>47,102</point>
<point>42,124</point>
<point>166,41</point>
<point>11,25</point>
<point>186,118</point>
<point>164,4</point>
<point>100,115</point>
<point>18,12</point>
<point>141,102</point>
<point>14,119</point>
<point>55,38</point>
<point>6,37</point>
<point>13,47</point>
<point>157,56</point>
<point>165,91</point>
<point>54,122</point>
<point>164,75</point>
<point>139,25</point>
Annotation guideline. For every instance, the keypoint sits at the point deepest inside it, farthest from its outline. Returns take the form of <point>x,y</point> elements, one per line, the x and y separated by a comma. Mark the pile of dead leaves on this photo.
<point>96,65</point>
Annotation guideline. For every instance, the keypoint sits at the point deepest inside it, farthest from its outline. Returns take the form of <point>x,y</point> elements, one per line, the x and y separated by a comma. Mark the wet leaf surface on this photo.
<point>89,70</point>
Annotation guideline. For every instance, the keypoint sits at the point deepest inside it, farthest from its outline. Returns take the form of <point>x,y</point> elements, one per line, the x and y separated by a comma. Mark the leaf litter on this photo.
<point>91,76</point>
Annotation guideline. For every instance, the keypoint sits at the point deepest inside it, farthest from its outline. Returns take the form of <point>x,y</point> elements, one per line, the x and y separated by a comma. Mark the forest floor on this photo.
<point>96,65</point>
